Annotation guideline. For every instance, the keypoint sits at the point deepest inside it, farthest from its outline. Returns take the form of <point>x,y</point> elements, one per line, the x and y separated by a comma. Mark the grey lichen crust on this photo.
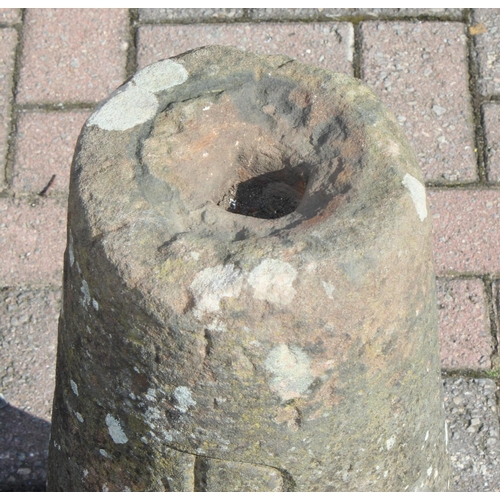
<point>249,297</point>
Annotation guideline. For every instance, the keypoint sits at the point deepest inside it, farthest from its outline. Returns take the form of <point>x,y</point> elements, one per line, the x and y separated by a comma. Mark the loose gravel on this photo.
<point>473,430</point>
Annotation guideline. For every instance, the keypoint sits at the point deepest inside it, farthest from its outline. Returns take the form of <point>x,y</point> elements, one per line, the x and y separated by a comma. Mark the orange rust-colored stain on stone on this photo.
<point>300,97</point>
<point>325,214</point>
<point>289,415</point>
<point>205,142</point>
<point>140,383</point>
<point>478,29</point>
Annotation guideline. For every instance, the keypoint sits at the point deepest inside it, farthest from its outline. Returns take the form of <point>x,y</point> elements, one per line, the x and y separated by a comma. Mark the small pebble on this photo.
<point>438,110</point>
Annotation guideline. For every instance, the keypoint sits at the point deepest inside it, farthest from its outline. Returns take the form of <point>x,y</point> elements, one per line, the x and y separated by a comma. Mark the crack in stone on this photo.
<point>201,467</point>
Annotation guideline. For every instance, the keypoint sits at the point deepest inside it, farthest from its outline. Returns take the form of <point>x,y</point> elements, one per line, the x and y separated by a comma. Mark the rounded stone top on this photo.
<point>227,147</point>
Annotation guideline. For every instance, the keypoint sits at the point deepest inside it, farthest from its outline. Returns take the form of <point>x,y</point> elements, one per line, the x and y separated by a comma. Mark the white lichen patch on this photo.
<point>79,417</point>
<point>137,103</point>
<point>86,293</point>
<point>168,436</point>
<point>74,387</point>
<point>70,250</point>
<point>151,394</point>
<point>131,107</point>
<point>214,283</point>
<point>417,192</point>
<point>429,472</point>
<point>217,326</point>
<point>104,453</point>
<point>115,430</point>
<point>272,280</point>
<point>95,304</point>
<point>390,442</point>
<point>152,416</point>
<point>161,75</point>
<point>291,371</point>
<point>183,399</point>
<point>329,289</point>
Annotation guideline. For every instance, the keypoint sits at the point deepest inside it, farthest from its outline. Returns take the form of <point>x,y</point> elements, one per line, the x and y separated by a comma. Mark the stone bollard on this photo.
<point>249,299</point>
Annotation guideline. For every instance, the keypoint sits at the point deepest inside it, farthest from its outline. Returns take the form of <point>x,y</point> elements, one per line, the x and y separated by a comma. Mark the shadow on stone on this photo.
<point>24,441</point>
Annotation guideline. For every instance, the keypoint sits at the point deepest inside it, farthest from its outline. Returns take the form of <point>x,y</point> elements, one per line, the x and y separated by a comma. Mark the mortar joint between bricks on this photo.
<point>357,56</point>
<point>131,63</point>
<point>489,292</point>
<point>358,19</point>
<point>60,106</point>
<point>492,291</point>
<point>466,16</point>
<point>35,199</point>
<point>464,276</point>
<point>247,15</point>
<point>247,18</point>
<point>453,184</point>
<point>31,287</point>
<point>467,373</point>
<point>479,136</point>
<point>12,133</point>
<point>452,275</point>
<point>462,185</point>
<point>194,21</point>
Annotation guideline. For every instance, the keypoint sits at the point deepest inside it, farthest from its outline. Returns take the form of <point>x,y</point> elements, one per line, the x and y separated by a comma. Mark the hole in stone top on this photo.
<point>267,196</point>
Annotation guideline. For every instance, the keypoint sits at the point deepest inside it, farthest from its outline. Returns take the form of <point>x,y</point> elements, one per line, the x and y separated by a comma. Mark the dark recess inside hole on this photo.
<point>270,195</point>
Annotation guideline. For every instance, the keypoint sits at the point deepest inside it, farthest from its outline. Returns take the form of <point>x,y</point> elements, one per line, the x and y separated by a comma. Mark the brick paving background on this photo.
<point>437,69</point>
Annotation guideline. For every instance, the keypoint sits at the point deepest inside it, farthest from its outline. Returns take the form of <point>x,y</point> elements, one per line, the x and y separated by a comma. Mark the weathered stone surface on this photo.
<point>249,298</point>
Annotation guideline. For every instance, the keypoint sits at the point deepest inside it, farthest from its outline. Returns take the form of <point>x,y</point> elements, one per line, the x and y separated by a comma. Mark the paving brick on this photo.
<point>10,16</point>
<point>193,15</point>
<point>473,431</point>
<point>420,71</point>
<point>347,14</point>
<point>73,54</point>
<point>464,326</point>
<point>28,339</point>
<point>486,33</point>
<point>45,146</point>
<point>32,241</point>
<point>491,114</point>
<point>324,44</point>
<point>8,40</point>
<point>466,230</point>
